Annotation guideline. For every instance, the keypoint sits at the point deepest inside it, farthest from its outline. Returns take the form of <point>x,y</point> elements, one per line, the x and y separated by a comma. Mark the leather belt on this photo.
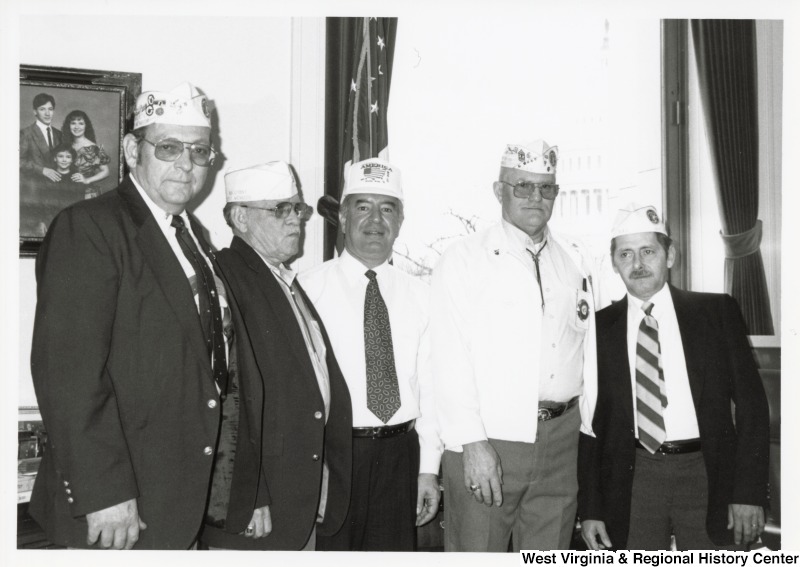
<point>385,431</point>
<point>675,447</point>
<point>551,410</point>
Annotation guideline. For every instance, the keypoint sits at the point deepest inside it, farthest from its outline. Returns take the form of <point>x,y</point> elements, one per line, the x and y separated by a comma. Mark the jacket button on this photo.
<point>212,403</point>
<point>70,500</point>
<point>207,451</point>
<point>66,483</point>
<point>315,457</point>
<point>318,415</point>
<point>68,491</point>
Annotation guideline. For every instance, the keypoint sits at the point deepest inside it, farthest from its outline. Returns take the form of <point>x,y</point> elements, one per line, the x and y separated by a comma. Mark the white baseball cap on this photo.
<point>373,175</point>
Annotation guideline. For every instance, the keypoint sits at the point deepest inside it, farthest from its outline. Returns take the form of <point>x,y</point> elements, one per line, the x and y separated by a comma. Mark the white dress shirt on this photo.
<point>680,418</point>
<point>337,289</point>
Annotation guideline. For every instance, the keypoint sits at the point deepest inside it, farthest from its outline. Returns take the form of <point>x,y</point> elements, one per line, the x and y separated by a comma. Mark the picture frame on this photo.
<point>98,104</point>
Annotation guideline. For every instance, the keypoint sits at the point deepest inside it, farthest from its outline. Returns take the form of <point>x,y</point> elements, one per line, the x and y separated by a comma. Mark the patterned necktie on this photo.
<point>210,312</point>
<point>651,394</point>
<point>383,393</point>
<point>49,139</point>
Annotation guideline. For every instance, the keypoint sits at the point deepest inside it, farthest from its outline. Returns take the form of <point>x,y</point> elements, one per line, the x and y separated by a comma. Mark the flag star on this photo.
<point>372,78</point>
<point>373,108</point>
<point>381,44</point>
<point>379,70</point>
<point>374,18</point>
<point>353,87</point>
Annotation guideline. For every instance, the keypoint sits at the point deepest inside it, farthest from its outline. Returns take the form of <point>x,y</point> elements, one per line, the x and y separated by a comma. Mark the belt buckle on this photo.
<point>376,432</point>
<point>545,414</point>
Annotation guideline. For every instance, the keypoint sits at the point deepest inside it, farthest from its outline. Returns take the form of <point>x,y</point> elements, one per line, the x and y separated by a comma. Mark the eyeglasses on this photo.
<point>524,189</point>
<point>170,149</point>
<point>282,210</point>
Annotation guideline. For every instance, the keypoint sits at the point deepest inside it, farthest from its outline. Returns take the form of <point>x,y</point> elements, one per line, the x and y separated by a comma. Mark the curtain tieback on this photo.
<point>742,244</point>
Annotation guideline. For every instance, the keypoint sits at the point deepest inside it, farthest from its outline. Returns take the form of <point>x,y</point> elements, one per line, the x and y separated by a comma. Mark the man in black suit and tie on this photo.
<point>283,470</point>
<point>667,458</point>
<point>128,357</point>
<point>38,140</point>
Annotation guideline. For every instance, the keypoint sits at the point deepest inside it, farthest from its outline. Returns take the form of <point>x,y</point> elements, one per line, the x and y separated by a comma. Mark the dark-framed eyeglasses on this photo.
<point>524,189</point>
<point>282,210</point>
<point>170,149</point>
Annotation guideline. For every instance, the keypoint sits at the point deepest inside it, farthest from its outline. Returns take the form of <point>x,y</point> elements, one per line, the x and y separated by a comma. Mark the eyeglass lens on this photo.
<point>525,190</point>
<point>171,149</point>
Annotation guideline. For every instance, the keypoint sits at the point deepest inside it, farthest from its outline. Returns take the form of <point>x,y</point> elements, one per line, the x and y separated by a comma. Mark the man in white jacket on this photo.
<point>512,321</point>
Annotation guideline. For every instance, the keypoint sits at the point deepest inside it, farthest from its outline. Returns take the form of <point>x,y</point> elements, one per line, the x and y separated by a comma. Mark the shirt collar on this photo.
<point>662,302</point>
<point>161,216</point>
<point>43,127</point>
<point>354,270</point>
<point>519,240</point>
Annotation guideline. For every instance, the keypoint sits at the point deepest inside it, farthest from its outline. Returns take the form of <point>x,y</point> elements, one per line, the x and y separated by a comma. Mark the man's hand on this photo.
<point>51,174</point>
<point>116,527</point>
<point>428,495</point>
<point>747,522</point>
<point>590,529</point>
<point>261,523</point>
<point>483,475</point>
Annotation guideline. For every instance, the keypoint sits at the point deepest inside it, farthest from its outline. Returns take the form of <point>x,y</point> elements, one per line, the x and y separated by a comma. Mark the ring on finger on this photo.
<point>474,487</point>
<point>249,530</point>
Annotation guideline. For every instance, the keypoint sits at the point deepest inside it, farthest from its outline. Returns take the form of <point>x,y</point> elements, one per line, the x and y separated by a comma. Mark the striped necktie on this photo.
<point>651,394</point>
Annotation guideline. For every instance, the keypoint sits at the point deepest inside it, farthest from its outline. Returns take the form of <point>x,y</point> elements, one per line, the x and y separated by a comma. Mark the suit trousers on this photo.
<point>540,487</point>
<point>669,497</point>
<point>383,497</point>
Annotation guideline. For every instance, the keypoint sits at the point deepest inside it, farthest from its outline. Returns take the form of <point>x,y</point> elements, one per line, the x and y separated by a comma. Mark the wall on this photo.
<point>250,67</point>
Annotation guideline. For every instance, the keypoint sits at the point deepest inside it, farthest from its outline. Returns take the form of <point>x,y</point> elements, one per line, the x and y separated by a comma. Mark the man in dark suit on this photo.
<point>667,458</point>
<point>128,370</point>
<point>37,141</point>
<point>283,470</point>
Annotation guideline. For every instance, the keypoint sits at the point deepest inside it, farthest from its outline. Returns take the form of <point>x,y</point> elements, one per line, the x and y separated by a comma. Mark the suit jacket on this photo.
<point>721,371</point>
<point>121,374</point>
<point>282,433</point>
<point>34,153</point>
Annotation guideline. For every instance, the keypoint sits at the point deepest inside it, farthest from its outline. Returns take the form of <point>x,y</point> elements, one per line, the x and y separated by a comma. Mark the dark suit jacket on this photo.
<point>122,376</point>
<point>721,370</point>
<point>282,431</point>
<point>34,153</point>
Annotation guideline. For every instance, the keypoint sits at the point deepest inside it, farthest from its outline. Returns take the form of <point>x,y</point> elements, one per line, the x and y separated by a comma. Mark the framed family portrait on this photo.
<point>72,122</point>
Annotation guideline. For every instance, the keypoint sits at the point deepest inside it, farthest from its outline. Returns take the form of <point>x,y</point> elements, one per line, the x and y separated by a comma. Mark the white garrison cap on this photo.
<point>635,218</point>
<point>182,106</point>
<point>535,157</point>
<point>373,175</point>
<point>271,181</point>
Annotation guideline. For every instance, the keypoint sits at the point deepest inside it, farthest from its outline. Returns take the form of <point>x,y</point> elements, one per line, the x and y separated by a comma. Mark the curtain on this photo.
<point>358,74</point>
<point>726,62</point>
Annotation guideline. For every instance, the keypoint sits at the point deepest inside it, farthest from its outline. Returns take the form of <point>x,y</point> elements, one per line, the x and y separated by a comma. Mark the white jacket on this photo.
<point>486,335</point>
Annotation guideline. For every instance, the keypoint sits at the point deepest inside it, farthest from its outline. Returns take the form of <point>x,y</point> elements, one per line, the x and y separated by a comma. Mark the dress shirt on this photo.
<point>338,288</point>
<point>680,419</point>
<point>561,353</point>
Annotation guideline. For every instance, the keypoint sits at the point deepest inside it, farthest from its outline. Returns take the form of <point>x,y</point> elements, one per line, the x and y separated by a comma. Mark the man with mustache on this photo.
<point>512,318</point>
<point>282,474</point>
<point>378,317</point>
<point>665,457</point>
<point>129,354</point>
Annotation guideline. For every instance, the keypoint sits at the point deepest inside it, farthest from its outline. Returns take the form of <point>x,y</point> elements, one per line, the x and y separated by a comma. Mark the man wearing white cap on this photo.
<point>129,356</point>
<point>512,318</point>
<point>282,475</point>
<point>665,458</point>
<point>378,318</point>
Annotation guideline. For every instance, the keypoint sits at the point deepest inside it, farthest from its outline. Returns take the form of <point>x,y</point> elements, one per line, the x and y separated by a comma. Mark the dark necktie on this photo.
<point>383,393</point>
<point>535,256</point>
<point>49,139</point>
<point>651,394</point>
<point>210,312</point>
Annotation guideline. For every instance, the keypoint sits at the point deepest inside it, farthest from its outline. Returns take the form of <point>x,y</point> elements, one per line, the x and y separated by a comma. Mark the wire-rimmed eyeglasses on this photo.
<point>524,189</point>
<point>282,210</point>
<point>170,149</point>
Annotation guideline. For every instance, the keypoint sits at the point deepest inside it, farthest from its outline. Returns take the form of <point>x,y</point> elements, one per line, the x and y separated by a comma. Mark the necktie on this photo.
<point>49,139</point>
<point>651,395</point>
<point>210,312</point>
<point>383,393</point>
<point>535,256</point>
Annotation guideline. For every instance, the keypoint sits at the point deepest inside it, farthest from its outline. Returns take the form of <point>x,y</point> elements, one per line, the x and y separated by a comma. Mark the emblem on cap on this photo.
<point>651,214</point>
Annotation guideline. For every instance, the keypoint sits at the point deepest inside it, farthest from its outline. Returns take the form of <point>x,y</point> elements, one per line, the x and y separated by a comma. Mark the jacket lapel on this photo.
<point>692,328</point>
<point>617,342</point>
<point>277,299</point>
<point>167,269</point>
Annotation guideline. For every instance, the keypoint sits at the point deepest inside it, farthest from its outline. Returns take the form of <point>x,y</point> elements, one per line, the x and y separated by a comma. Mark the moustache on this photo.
<point>638,274</point>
